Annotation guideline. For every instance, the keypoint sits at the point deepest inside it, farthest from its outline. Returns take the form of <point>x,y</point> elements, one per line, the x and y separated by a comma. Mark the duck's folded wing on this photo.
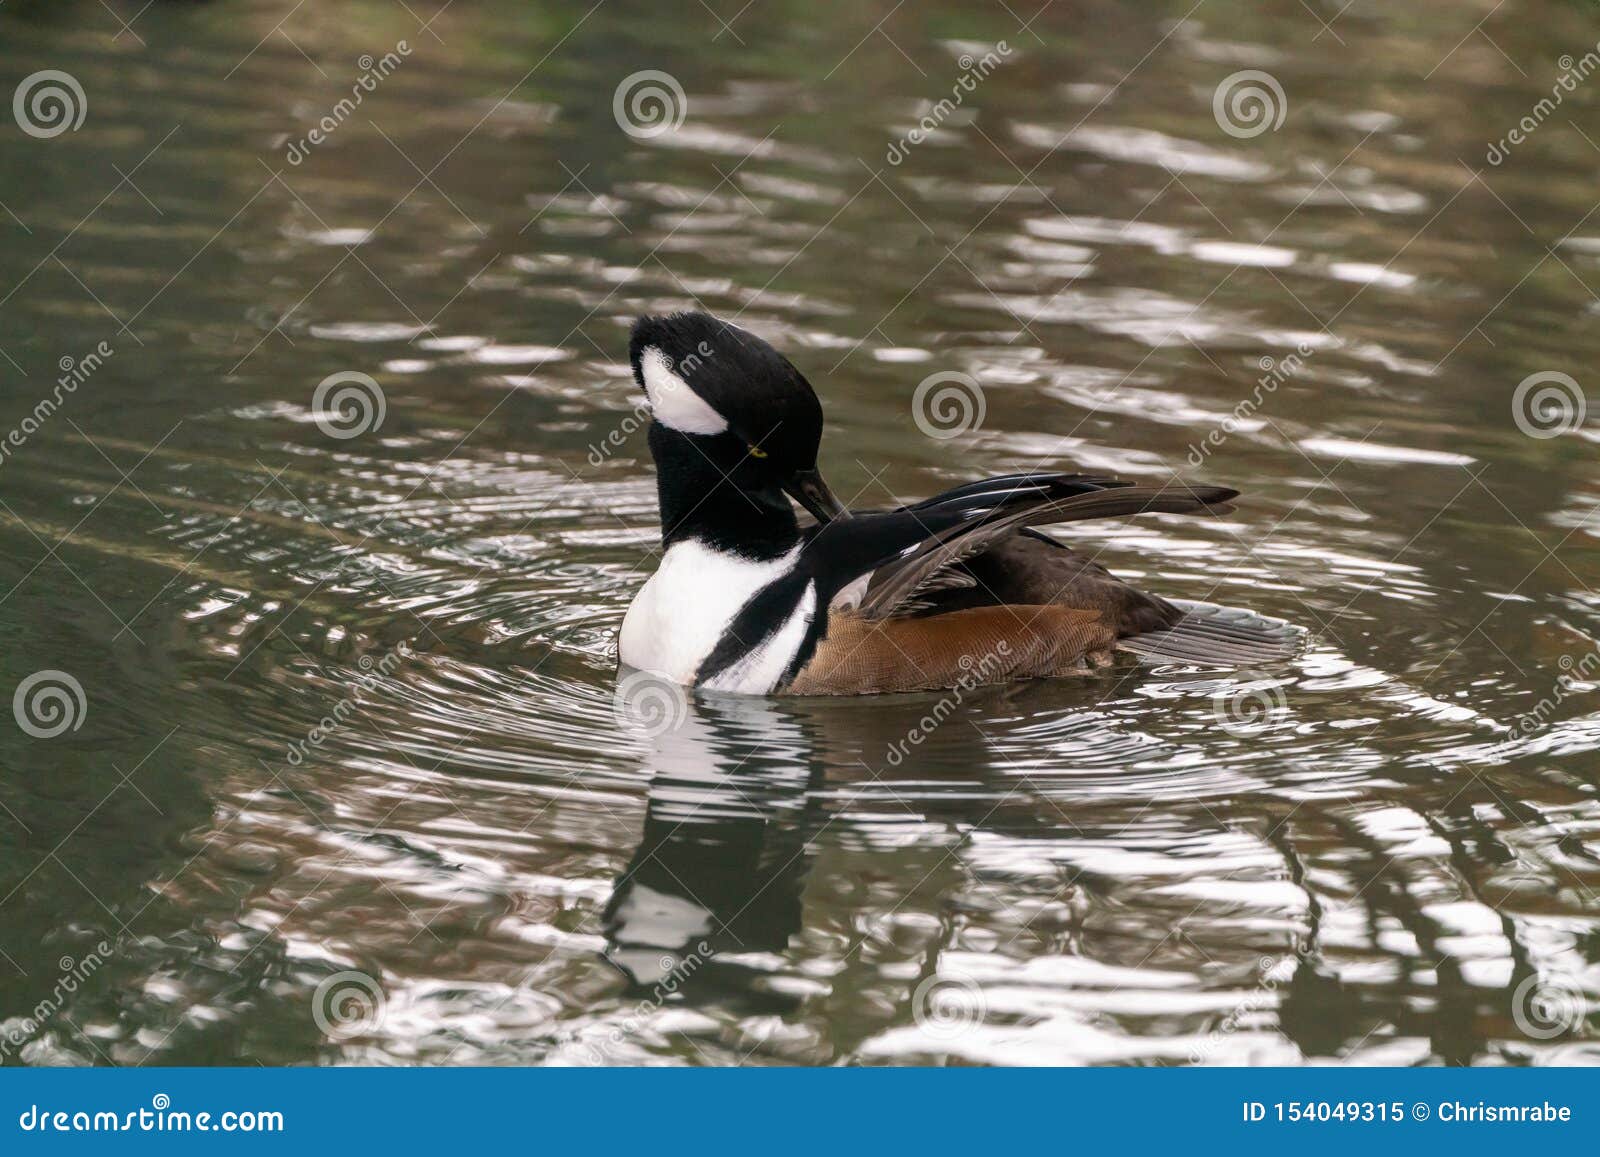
<point>927,564</point>
<point>855,545</point>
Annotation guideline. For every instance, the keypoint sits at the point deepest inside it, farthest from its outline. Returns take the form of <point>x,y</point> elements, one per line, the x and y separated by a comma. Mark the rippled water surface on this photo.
<point>345,782</point>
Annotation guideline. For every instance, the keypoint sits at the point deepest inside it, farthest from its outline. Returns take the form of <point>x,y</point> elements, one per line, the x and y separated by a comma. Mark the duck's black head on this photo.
<point>731,414</point>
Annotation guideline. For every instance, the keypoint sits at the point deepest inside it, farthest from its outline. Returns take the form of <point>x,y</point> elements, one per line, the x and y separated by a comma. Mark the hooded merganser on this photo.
<point>953,590</point>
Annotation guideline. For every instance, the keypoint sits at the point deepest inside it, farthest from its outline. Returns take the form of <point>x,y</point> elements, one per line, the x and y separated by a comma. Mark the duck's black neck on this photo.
<point>707,501</point>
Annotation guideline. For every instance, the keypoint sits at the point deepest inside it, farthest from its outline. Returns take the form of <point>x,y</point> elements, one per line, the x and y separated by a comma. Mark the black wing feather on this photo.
<point>1071,498</point>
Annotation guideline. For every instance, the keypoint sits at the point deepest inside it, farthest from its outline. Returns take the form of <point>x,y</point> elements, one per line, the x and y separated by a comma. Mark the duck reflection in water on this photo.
<point>721,867</point>
<point>759,811</point>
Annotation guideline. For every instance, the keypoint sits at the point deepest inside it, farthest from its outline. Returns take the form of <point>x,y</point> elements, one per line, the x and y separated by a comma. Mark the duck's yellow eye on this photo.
<point>757,452</point>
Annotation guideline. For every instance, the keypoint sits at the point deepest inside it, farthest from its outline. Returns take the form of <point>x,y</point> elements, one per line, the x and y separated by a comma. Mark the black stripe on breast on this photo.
<point>768,609</point>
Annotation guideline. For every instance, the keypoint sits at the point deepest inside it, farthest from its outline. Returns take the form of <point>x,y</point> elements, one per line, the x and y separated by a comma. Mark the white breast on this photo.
<point>684,610</point>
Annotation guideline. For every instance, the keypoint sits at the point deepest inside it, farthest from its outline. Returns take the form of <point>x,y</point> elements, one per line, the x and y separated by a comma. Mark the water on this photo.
<point>346,782</point>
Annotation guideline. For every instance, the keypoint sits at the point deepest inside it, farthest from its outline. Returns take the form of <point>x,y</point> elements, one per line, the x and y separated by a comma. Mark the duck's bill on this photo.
<point>810,491</point>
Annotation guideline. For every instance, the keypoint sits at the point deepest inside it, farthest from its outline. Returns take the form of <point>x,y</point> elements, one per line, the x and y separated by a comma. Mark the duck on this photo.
<point>753,597</point>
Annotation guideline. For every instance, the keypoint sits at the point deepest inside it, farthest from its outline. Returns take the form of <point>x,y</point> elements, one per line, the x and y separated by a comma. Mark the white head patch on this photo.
<point>672,401</point>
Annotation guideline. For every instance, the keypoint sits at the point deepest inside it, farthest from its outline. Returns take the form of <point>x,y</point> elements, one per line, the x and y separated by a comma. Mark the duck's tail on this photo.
<point>1212,636</point>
